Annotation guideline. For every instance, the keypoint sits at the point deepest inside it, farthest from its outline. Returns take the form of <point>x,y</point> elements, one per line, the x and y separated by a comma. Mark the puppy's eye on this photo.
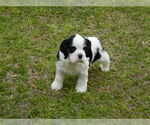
<point>86,48</point>
<point>71,49</point>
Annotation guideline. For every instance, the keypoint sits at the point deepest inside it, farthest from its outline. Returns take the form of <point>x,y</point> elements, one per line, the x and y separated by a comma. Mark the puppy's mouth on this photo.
<point>80,61</point>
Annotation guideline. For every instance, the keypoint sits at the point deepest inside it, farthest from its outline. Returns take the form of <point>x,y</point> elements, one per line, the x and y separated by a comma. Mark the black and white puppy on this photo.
<point>74,58</point>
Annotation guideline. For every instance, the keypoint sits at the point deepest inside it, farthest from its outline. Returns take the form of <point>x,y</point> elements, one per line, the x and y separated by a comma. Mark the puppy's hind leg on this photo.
<point>105,61</point>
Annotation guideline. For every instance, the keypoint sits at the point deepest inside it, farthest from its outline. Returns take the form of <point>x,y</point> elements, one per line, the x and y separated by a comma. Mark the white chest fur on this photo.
<point>72,69</point>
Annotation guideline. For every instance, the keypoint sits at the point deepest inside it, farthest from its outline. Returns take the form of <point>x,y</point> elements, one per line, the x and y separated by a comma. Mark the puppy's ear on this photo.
<point>65,45</point>
<point>88,42</point>
<point>88,50</point>
<point>63,48</point>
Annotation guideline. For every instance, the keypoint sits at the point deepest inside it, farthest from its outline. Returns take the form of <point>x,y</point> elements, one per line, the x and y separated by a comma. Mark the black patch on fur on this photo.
<point>71,49</point>
<point>97,56</point>
<point>64,46</point>
<point>87,49</point>
<point>58,56</point>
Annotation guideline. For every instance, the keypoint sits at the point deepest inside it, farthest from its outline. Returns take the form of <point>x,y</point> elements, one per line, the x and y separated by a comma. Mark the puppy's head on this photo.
<point>76,49</point>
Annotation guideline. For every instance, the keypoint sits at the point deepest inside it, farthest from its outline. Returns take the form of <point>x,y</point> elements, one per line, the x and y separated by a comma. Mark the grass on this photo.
<point>29,40</point>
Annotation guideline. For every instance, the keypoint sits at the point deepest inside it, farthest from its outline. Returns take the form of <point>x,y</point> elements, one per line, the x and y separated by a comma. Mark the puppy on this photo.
<point>74,58</point>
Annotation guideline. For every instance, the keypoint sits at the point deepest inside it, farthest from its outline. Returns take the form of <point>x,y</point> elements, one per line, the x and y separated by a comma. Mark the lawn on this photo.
<point>29,40</point>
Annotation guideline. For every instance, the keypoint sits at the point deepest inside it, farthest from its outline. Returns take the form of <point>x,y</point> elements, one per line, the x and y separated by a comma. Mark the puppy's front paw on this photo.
<point>56,86</point>
<point>81,89</point>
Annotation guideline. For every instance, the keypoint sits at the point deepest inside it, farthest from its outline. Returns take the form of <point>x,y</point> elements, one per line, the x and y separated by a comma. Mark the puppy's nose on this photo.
<point>80,56</point>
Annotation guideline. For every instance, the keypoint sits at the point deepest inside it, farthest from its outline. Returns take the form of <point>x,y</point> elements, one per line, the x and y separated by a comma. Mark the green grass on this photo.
<point>29,40</point>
